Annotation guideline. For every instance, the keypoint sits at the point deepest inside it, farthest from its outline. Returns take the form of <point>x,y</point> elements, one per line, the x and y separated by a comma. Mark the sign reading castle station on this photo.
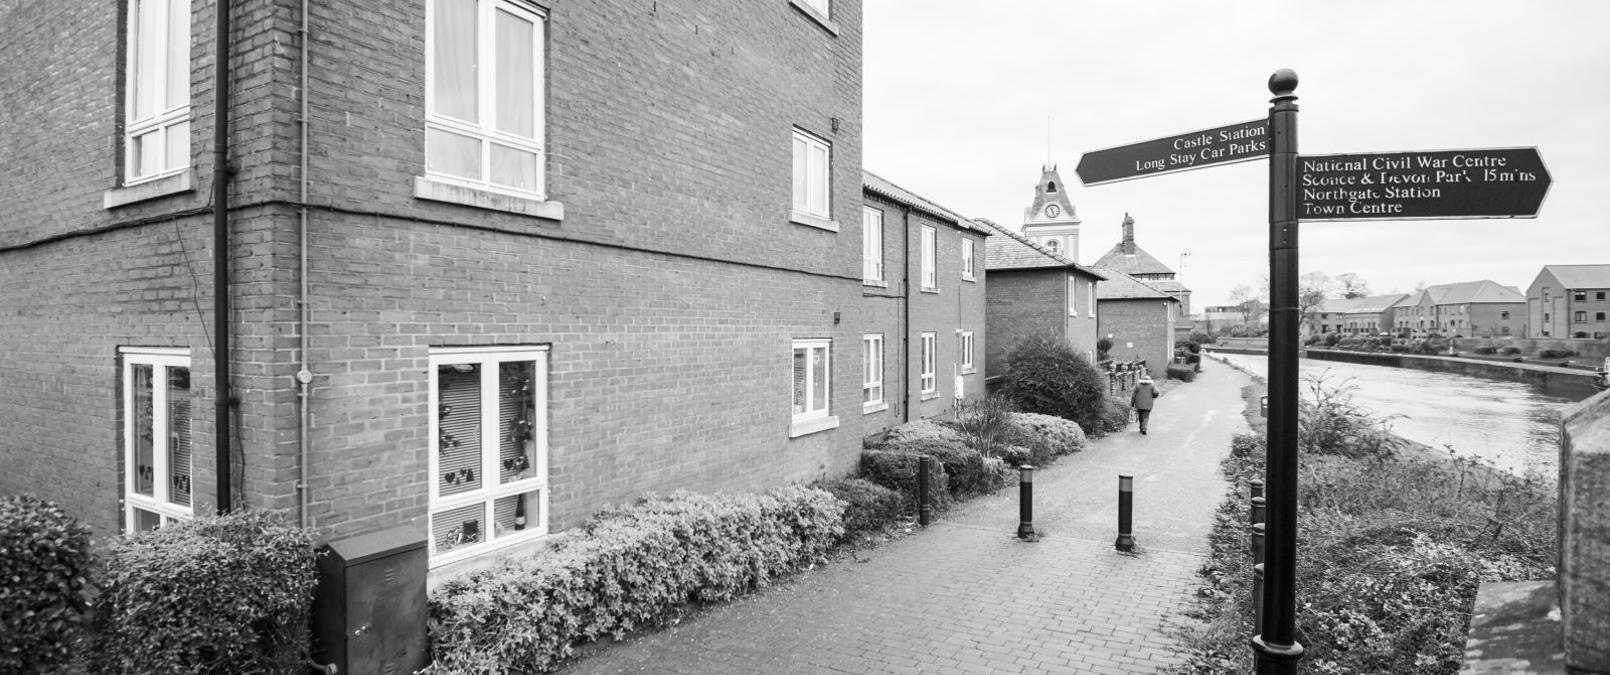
<point>1221,145</point>
<point>1492,183</point>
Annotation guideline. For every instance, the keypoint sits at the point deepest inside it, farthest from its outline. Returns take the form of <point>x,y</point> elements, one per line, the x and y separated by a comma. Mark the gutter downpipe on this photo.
<point>220,263</point>
<point>905,313</point>
<point>304,377</point>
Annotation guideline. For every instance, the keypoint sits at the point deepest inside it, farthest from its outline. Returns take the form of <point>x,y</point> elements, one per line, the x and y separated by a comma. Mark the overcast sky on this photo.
<point>959,94</point>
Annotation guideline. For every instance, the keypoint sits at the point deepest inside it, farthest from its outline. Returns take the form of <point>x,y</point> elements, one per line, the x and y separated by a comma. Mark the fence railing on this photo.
<point>1122,375</point>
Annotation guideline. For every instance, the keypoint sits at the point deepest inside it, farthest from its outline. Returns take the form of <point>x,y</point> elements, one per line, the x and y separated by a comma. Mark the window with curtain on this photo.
<point>156,125</point>
<point>157,405</point>
<point>872,378</point>
<point>488,449</point>
<point>484,91</point>
<point>812,387</point>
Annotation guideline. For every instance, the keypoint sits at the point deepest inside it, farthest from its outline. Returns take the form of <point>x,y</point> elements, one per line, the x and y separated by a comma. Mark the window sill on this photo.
<point>435,190</point>
<point>869,408</point>
<point>816,15</point>
<point>969,371</point>
<point>802,218</point>
<point>968,278</point>
<point>930,395</point>
<point>139,192</point>
<point>811,426</point>
<point>871,282</point>
<point>929,289</point>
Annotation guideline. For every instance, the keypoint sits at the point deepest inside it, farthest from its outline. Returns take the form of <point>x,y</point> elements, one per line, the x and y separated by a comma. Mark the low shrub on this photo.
<point>868,507</point>
<point>1115,416</point>
<point>1509,351</point>
<point>1045,375</point>
<point>1045,436</point>
<point>1181,373</point>
<point>626,568</point>
<point>218,594</point>
<point>968,475</point>
<point>1017,455</point>
<point>1555,353</point>
<point>1486,351</point>
<point>898,471</point>
<point>44,593</point>
<point>1330,423</point>
<point>984,423</point>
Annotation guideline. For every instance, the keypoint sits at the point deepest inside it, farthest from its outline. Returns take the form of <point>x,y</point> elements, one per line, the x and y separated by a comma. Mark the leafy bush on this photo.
<point>1181,373</point>
<point>965,466</point>
<point>898,471</point>
<point>626,568</point>
<point>868,507</point>
<point>1555,353</point>
<point>1332,338</point>
<point>44,559</point>
<point>1486,351</point>
<point>1198,338</point>
<point>1045,375</point>
<point>984,423</point>
<point>1044,437</point>
<point>1115,417</point>
<point>1509,351</point>
<point>228,594</point>
<point>1329,423</point>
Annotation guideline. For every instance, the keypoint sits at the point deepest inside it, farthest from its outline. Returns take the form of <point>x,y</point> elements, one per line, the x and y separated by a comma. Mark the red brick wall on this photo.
<point>1022,304</point>
<point>1140,329</point>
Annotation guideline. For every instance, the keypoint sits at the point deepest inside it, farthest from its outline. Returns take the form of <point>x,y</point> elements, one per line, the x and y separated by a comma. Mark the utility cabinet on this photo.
<point>369,613</point>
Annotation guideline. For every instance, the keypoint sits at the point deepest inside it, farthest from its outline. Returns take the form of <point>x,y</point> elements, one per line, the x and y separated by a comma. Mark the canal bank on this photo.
<point>1575,383</point>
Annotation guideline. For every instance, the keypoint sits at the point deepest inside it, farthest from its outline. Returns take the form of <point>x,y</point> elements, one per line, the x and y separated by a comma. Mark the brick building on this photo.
<point>1569,301</point>
<point>1140,320</point>
<point>1034,290</point>
<point>1370,315</point>
<point>619,238</point>
<point>923,291</point>
<point>1129,258</point>
<point>1467,309</point>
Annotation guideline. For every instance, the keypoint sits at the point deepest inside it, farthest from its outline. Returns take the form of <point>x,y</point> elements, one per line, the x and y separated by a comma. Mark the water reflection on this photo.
<point>1510,424</point>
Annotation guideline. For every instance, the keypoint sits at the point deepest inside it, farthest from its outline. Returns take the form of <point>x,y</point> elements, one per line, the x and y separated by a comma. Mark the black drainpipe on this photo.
<point>220,259</point>
<point>905,320</point>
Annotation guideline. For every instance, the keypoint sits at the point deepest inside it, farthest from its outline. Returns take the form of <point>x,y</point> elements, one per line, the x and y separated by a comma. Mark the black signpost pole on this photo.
<point>1276,647</point>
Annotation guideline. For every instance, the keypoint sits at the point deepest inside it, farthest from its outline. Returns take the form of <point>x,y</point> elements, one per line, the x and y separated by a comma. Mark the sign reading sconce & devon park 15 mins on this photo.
<point>1430,185</point>
<point>1221,145</point>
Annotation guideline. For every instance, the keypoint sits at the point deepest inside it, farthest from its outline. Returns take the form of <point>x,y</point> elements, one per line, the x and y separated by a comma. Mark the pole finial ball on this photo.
<point>1283,82</point>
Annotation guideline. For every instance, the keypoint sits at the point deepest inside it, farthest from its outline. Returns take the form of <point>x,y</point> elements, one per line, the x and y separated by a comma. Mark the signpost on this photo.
<point>1440,184</point>
<point>1429,185</point>
<point>1240,142</point>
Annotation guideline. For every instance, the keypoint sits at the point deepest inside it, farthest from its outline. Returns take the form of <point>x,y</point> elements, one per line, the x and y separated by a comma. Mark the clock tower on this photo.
<point>1050,221</point>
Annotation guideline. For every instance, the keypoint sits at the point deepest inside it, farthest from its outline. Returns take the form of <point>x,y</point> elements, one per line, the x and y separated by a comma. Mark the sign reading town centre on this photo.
<point>1433,185</point>
<point>1221,145</point>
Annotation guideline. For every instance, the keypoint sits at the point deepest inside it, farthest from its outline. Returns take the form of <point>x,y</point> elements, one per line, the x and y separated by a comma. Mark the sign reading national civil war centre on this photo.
<point>1491,183</point>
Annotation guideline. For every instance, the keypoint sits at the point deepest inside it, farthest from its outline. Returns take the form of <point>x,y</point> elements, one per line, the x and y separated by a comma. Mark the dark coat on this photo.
<point>1144,394</point>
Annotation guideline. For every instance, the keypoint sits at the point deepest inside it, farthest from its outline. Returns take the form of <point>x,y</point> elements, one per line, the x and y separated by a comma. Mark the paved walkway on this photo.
<point>965,596</point>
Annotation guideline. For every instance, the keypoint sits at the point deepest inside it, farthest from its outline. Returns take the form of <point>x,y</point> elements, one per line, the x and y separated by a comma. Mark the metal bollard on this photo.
<point>1257,487</point>
<point>1257,574</point>
<point>1126,505</point>
<point>925,469</point>
<point>1025,526</point>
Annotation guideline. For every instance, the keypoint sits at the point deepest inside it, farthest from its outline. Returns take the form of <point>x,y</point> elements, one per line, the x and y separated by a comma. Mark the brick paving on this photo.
<point>966,596</point>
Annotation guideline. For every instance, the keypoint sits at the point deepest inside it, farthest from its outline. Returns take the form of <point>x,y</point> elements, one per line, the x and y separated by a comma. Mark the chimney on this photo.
<point>1129,234</point>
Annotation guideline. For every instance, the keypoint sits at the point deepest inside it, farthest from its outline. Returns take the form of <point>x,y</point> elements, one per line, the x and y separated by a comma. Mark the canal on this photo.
<point>1511,425</point>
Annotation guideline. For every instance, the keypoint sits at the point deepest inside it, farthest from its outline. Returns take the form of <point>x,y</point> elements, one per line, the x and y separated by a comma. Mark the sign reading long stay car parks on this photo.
<point>1238,142</point>
<point>1431,185</point>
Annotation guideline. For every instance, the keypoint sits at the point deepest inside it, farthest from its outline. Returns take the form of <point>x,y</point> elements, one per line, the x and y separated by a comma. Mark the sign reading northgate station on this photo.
<point>1491,183</point>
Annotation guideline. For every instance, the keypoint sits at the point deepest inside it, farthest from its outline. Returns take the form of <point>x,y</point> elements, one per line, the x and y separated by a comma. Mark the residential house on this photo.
<point>1140,320</point>
<point>1222,319</point>
<point>923,292</point>
<point>491,266</point>
<point>1467,309</point>
<point>1035,291</point>
<point>1370,315</point>
<point>1569,301</point>
<point>1129,258</point>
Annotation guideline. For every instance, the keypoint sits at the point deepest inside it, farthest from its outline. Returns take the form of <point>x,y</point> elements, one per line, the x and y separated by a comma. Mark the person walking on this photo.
<point>1145,392</point>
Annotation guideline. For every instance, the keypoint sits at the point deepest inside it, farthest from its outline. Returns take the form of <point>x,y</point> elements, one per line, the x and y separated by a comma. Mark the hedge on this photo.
<point>969,473</point>
<point>868,507</point>
<point>1181,373</point>
<point>1044,436</point>
<point>218,594</point>
<point>626,568</point>
<point>44,593</point>
<point>898,471</point>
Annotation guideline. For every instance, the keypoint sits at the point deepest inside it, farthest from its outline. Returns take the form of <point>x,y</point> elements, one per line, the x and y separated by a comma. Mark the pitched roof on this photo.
<point>1128,257</point>
<point>1016,252</point>
<point>1374,304</point>
<point>878,185</point>
<point>1466,292</point>
<point>1120,286</point>
<point>1581,276</point>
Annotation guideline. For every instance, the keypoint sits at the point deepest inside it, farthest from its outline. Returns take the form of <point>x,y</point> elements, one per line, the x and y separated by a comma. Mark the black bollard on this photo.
<point>1126,505</point>
<point>925,469</point>
<point>1257,573</point>
<point>1025,526</point>
<point>1257,487</point>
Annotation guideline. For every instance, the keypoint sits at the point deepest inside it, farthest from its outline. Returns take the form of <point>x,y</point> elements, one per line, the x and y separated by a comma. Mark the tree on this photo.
<point>1250,305</point>
<point>1311,292</point>
<point>1044,375</point>
<point>1352,286</point>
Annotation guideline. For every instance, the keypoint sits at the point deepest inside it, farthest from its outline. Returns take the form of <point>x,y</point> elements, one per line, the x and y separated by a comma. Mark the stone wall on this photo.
<point>1584,575</point>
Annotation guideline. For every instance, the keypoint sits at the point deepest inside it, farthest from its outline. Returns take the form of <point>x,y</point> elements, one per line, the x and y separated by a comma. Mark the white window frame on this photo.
<point>158,503</point>
<point>823,6</point>
<point>488,359</point>
<point>968,273</point>
<point>966,346</point>
<point>1090,294</point>
<point>930,257</point>
<point>1073,295</point>
<point>872,373</point>
<point>872,246</point>
<point>485,130</point>
<point>929,383</point>
<point>810,421</point>
<point>173,116</point>
<point>812,180</point>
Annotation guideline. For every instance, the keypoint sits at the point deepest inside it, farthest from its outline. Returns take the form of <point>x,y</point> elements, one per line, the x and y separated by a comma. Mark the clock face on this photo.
<point>1052,210</point>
